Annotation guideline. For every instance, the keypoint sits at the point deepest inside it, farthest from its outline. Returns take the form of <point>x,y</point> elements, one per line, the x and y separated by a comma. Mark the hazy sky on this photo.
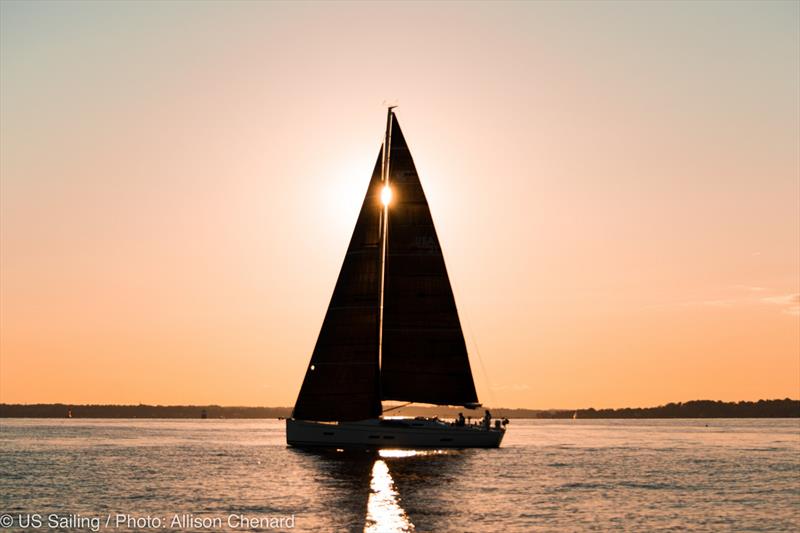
<point>616,187</point>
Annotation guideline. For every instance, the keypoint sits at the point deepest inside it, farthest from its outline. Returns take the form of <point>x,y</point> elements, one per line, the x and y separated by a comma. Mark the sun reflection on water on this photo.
<point>384,513</point>
<point>395,454</point>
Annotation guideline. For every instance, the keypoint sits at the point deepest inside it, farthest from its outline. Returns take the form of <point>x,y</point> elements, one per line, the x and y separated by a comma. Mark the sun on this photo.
<point>386,195</point>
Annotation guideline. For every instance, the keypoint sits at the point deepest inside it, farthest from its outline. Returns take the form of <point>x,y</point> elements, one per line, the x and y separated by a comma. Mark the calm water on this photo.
<point>645,475</point>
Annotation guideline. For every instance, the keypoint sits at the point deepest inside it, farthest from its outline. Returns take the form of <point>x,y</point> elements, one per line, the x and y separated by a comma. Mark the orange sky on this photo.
<point>616,188</point>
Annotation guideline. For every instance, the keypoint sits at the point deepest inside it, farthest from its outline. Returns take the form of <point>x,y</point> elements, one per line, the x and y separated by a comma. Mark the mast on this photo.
<point>387,144</point>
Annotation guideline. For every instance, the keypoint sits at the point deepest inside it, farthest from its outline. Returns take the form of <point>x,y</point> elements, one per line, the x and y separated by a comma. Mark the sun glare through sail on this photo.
<point>386,195</point>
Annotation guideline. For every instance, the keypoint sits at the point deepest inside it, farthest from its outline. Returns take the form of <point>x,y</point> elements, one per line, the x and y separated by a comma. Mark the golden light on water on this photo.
<point>386,195</point>
<point>395,454</point>
<point>383,507</point>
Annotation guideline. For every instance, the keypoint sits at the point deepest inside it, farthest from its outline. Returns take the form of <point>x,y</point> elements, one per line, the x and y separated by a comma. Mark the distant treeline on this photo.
<point>786,408</point>
<point>694,409</point>
<point>59,410</point>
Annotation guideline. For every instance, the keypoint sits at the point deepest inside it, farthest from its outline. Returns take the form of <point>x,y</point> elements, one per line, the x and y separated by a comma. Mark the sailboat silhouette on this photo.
<point>391,331</point>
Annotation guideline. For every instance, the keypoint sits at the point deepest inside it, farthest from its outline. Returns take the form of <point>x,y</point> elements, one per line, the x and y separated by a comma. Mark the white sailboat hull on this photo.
<point>390,433</point>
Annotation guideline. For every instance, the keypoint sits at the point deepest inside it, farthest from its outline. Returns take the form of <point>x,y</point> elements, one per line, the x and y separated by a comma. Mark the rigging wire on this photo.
<point>466,324</point>
<point>471,334</point>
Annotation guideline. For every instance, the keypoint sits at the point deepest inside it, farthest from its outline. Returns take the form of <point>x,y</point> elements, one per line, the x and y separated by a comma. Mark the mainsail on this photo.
<point>416,353</point>
<point>341,381</point>
<point>424,355</point>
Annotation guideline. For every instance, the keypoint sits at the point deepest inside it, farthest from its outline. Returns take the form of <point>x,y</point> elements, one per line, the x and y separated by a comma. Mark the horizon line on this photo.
<point>423,406</point>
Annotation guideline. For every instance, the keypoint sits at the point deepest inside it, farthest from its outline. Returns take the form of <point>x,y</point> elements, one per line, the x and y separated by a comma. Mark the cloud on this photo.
<point>785,299</point>
<point>749,288</point>
<point>789,302</point>
<point>718,303</point>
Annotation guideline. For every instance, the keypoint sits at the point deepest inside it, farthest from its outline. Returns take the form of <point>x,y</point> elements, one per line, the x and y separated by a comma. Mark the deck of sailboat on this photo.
<point>388,433</point>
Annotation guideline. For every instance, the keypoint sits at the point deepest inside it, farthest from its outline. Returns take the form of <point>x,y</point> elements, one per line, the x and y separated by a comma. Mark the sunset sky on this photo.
<point>616,187</point>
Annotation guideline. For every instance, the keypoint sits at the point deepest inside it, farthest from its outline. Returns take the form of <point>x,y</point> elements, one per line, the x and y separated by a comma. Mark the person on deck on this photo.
<point>487,419</point>
<point>460,421</point>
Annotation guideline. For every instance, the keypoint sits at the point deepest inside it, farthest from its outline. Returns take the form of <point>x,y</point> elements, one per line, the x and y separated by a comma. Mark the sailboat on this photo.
<point>391,331</point>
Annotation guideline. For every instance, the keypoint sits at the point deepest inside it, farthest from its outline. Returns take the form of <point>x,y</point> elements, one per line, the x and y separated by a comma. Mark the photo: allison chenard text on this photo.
<point>127,521</point>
